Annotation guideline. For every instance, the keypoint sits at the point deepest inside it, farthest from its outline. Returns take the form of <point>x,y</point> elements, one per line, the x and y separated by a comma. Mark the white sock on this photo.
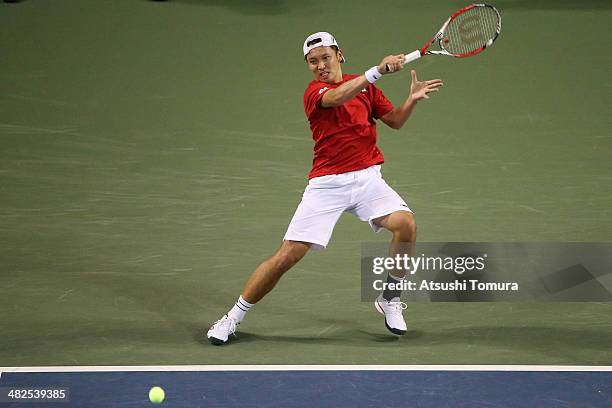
<point>240,309</point>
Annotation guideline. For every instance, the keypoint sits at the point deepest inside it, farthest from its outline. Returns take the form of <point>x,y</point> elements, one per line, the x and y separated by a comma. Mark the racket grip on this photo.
<point>414,55</point>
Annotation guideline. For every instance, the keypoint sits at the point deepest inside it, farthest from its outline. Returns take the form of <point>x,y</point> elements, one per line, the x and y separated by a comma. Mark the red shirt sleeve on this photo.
<point>313,95</point>
<point>380,104</point>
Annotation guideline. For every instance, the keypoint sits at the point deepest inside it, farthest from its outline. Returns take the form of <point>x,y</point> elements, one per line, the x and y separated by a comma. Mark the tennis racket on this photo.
<point>467,32</point>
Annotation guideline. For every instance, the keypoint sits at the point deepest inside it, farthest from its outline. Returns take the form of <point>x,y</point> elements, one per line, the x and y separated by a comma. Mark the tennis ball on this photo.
<point>157,395</point>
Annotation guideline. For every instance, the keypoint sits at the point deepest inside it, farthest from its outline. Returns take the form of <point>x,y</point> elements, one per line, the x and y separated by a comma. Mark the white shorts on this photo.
<point>363,193</point>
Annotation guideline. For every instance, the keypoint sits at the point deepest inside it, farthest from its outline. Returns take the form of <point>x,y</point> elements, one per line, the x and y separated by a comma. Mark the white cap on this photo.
<point>320,39</point>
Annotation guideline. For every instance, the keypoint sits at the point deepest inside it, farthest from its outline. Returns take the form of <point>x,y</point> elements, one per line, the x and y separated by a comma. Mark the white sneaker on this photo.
<point>392,310</point>
<point>220,331</point>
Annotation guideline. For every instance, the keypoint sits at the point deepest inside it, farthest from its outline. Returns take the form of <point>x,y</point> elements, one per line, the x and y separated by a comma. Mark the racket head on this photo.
<point>468,31</point>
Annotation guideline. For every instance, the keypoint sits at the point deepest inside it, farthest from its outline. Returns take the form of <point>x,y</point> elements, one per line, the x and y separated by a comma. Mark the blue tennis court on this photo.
<point>321,386</point>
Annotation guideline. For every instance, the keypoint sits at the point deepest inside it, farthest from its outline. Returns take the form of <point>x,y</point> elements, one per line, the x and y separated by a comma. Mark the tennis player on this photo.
<point>342,110</point>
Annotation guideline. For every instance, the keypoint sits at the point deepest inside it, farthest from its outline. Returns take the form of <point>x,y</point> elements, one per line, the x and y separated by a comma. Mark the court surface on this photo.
<point>153,153</point>
<point>322,386</point>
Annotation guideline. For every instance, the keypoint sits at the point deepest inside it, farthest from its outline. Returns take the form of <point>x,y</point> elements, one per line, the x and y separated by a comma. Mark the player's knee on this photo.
<point>405,226</point>
<point>288,255</point>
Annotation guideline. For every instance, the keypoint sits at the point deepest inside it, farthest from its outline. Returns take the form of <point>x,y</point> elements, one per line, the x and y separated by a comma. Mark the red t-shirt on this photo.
<point>345,136</point>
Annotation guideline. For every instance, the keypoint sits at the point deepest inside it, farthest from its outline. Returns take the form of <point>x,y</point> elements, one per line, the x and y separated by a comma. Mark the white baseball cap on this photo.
<point>320,39</point>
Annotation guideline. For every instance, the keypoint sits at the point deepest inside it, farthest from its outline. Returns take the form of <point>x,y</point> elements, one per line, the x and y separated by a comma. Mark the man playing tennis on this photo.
<point>345,176</point>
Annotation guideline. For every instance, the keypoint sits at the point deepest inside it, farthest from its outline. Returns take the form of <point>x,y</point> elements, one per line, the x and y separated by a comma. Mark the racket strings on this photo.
<point>470,30</point>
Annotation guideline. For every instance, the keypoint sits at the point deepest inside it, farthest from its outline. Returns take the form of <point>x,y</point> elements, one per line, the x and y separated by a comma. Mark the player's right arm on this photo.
<point>348,90</point>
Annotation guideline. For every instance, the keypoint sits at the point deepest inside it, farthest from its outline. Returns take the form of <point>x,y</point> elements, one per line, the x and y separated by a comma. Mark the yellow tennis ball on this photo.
<point>157,395</point>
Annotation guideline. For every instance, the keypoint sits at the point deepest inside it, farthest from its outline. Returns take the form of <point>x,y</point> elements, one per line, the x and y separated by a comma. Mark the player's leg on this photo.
<point>402,226</point>
<point>262,281</point>
<point>382,207</point>
<point>270,271</point>
<point>311,227</point>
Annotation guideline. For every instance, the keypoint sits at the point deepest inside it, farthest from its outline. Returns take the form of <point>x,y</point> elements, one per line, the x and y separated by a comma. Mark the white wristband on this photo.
<point>372,74</point>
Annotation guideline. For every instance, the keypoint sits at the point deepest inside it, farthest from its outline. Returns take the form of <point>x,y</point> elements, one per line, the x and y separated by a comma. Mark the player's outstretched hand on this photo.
<point>420,89</point>
<point>391,63</point>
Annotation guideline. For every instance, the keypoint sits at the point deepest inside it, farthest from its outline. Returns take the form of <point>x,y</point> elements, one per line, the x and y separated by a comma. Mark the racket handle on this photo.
<point>414,55</point>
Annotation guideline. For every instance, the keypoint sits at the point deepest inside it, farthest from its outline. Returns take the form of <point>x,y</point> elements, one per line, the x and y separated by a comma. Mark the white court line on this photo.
<point>52,369</point>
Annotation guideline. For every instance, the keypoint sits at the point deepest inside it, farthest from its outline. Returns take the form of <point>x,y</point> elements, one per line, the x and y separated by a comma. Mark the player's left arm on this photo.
<point>418,90</point>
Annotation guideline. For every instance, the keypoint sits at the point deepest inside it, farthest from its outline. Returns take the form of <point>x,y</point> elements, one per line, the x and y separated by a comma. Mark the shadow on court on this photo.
<point>528,339</point>
<point>354,336</point>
